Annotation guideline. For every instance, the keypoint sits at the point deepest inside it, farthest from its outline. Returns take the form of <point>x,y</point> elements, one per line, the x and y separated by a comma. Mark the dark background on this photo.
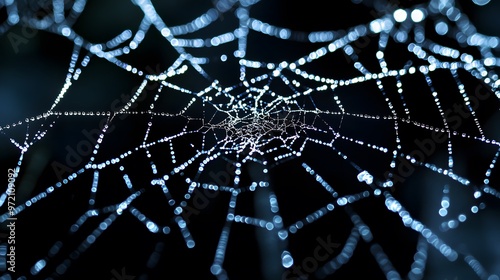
<point>31,78</point>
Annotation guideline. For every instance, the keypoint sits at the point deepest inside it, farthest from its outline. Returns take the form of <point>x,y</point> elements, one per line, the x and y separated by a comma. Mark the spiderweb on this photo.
<point>255,145</point>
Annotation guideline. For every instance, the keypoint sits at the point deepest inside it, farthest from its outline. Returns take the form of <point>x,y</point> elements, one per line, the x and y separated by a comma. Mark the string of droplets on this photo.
<point>395,25</point>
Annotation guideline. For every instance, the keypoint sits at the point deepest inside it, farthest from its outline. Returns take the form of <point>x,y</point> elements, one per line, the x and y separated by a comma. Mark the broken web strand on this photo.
<point>158,24</point>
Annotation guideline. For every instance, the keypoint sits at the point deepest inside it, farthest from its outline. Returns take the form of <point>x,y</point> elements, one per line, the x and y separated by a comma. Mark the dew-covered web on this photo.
<point>255,147</point>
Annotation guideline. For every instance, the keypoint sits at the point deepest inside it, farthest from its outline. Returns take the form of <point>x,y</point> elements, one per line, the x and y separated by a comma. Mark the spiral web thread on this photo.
<point>252,122</point>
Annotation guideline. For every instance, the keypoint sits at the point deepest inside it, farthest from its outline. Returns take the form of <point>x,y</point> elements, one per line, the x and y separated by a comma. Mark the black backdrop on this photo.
<point>32,74</point>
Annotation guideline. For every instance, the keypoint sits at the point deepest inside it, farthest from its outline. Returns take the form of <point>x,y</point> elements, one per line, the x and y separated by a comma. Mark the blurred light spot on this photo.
<point>481,2</point>
<point>417,15</point>
<point>441,28</point>
<point>400,15</point>
<point>286,259</point>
